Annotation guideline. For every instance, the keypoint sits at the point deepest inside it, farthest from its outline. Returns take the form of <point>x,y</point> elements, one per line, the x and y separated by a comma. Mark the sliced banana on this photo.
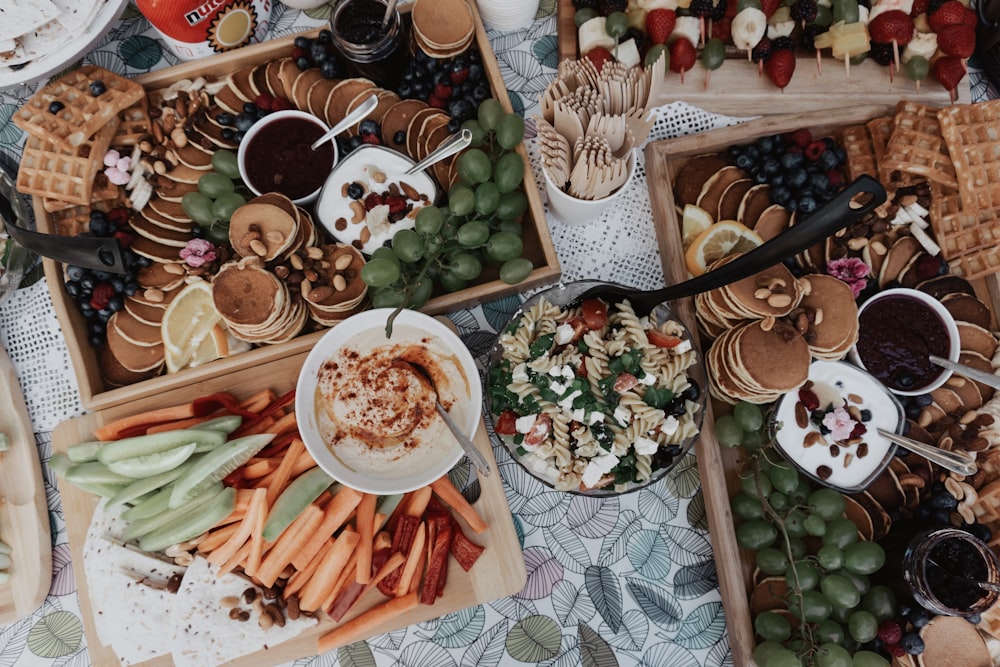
<point>747,28</point>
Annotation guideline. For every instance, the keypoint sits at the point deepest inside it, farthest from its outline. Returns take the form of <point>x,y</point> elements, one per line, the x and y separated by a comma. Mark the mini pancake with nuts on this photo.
<point>247,295</point>
<point>262,228</point>
<point>772,292</point>
<point>772,221</point>
<point>833,327</point>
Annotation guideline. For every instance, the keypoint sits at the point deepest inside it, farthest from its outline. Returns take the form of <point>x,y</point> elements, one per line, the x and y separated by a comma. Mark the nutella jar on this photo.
<point>369,50</point>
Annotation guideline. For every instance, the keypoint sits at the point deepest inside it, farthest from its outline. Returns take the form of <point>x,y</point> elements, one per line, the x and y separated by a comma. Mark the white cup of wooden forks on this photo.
<point>576,211</point>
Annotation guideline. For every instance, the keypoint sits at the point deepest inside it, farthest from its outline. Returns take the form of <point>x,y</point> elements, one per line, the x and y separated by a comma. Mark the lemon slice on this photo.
<point>720,240</point>
<point>694,221</point>
<point>187,327</point>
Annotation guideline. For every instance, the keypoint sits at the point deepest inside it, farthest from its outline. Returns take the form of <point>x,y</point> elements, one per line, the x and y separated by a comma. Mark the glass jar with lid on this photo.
<point>370,50</point>
<point>941,568</point>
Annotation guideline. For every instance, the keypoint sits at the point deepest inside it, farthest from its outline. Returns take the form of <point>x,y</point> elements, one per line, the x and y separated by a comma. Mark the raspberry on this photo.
<point>835,178</point>
<point>298,52</point>
<point>890,632</point>
<point>896,650</point>
<point>436,102</point>
<point>443,91</point>
<point>101,295</point>
<point>801,138</point>
<point>118,215</point>
<point>809,399</point>
<point>123,238</point>
<point>459,76</point>
<point>263,102</point>
<point>371,139</point>
<point>373,200</point>
<point>395,203</point>
<point>280,104</point>
<point>814,150</point>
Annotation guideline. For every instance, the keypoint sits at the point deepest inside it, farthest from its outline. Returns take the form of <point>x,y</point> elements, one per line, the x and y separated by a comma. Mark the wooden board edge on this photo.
<point>566,30</point>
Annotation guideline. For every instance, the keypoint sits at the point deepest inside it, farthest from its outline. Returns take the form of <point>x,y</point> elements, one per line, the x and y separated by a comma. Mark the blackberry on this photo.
<point>779,43</point>
<point>809,33</point>
<point>934,5</point>
<point>805,10</point>
<point>606,7</point>
<point>881,53</point>
<point>635,34</point>
<point>700,7</point>
<point>585,4</point>
<point>719,10</point>
<point>762,51</point>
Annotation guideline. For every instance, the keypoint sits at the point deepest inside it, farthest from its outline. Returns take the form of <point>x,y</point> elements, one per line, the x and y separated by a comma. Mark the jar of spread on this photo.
<point>941,568</point>
<point>370,50</point>
<point>199,28</point>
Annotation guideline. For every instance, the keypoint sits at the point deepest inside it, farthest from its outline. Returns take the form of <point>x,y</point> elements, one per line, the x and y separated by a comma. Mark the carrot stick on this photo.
<point>281,476</point>
<point>345,579</point>
<point>415,582</point>
<point>417,504</point>
<point>413,559</point>
<point>288,544</point>
<point>256,545</point>
<point>216,538</point>
<point>258,503</point>
<point>239,557</point>
<point>259,401</point>
<point>183,423</point>
<point>366,526</point>
<point>336,514</point>
<point>302,463</point>
<point>112,430</point>
<point>243,499</point>
<point>314,592</point>
<point>301,576</point>
<point>451,497</point>
<point>263,426</point>
<point>285,424</point>
<point>364,623</point>
<point>260,468</point>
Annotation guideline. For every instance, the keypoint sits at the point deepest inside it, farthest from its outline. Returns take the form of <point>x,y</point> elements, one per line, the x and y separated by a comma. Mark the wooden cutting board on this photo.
<point>498,573</point>
<point>24,511</point>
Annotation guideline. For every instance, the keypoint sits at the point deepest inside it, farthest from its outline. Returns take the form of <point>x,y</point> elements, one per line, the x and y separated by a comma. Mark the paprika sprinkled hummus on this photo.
<point>374,402</point>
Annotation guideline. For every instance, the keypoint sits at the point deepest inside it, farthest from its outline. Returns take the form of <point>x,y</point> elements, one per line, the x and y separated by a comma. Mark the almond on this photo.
<point>779,300</point>
<point>343,262</point>
<point>320,294</point>
<point>339,283</point>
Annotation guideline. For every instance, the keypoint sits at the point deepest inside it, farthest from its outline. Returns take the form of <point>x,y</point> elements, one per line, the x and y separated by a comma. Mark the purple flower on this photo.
<point>852,271</point>
<point>198,252</point>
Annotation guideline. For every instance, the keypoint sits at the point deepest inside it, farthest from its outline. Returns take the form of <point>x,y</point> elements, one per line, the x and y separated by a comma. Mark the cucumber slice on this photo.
<point>192,523</point>
<point>4,548</point>
<point>141,487</point>
<point>144,445</point>
<point>153,464</point>
<point>4,576</point>
<point>216,464</point>
<point>85,451</point>
<point>156,504</point>
<point>226,424</point>
<point>94,472</point>
<point>388,504</point>
<point>306,488</point>
<point>59,463</point>
<point>141,527</point>
<point>98,489</point>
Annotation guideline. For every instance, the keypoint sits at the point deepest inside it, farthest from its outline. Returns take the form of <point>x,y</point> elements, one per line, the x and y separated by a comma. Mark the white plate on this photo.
<point>67,52</point>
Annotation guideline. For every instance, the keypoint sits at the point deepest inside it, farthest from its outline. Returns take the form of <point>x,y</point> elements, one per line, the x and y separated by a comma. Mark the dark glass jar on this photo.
<point>937,562</point>
<point>370,51</point>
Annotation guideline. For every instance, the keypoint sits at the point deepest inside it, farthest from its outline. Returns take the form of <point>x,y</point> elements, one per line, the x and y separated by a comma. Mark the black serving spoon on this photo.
<point>860,197</point>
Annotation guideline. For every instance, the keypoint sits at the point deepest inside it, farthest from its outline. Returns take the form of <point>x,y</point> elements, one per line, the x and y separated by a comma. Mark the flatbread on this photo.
<point>18,17</point>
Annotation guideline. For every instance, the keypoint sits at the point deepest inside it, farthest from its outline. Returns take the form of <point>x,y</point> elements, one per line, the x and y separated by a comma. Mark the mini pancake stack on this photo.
<point>443,28</point>
<point>340,292</point>
<point>255,305</point>
<point>757,362</point>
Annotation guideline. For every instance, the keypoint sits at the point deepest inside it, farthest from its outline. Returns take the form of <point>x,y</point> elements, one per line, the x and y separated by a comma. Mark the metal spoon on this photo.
<point>985,585</point>
<point>390,7</point>
<point>944,458</point>
<point>452,145</point>
<point>355,116</point>
<point>989,379</point>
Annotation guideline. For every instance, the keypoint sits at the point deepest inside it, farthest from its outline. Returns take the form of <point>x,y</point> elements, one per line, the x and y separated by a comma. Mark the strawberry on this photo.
<point>891,26</point>
<point>779,67</point>
<point>957,40</point>
<point>682,55</point>
<point>769,7</point>
<point>951,12</point>
<point>919,7</point>
<point>599,55</point>
<point>948,70</point>
<point>659,25</point>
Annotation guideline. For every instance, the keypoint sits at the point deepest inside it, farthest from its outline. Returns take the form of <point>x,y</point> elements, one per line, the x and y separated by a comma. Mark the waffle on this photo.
<point>971,134</point>
<point>860,151</point>
<point>917,148</point>
<point>67,175</point>
<point>134,124</point>
<point>83,113</point>
<point>880,129</point>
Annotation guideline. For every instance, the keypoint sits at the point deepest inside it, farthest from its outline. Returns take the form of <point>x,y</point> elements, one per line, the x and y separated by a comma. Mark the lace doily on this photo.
<point>621,245</point>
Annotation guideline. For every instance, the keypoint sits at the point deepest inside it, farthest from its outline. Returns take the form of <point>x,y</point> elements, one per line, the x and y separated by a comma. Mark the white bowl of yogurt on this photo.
<point>829,427</point>
<point>365,403</point>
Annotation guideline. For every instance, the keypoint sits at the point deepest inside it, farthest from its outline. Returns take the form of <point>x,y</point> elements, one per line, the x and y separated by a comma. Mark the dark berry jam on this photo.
<point>950,563</point>
<point>279,158</point>
<point>363,23</point>
<point>896,335</point>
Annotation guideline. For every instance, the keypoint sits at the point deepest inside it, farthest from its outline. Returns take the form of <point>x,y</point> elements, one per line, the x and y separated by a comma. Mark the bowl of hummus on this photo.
<point>365,403</point>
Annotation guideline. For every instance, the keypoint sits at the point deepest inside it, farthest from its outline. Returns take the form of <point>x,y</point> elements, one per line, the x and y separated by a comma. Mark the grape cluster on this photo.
<point>803,172</point>
<point>480,226</point>
<point>800,533</point>
<point>457,85</point>
<point>217,197</point>
<point>100,294</point>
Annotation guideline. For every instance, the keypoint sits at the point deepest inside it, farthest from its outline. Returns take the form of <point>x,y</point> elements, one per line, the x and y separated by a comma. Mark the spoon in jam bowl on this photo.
<point>989,379</point>
<point>944,458</point>
<point>353,117</point>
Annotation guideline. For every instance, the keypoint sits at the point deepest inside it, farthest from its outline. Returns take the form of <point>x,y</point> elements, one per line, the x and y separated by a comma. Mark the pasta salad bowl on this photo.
<point>590,398</point>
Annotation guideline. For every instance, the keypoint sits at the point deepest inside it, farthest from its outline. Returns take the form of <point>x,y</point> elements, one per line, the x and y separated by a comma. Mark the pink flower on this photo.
<point>840,424</point>
<point>852,271</point>
<point>198,252</point>
<point>117,167</point>
<point>111,158</point>
<point>117,176</point>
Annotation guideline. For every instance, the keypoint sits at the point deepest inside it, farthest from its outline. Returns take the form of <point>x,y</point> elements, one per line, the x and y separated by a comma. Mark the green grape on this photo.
<point>747,507</point>
<point>407,245</point>
<point>860,581</point>
<point>783,658</point>
<point>753,440</point>
<point>815,606</point>
<point>583,15</point>
<point>386,297</point>
<point>212,185</point>
<point>504,246</point>
<point>833,655</point>
<point>420,293</point>
<point>829,630</point>
<point>916,68</point>
<point>227,203</point>
<point>846,11</point>
<point>779,501</point>
<point>198,207</point>
<point>830,558</point>
<point>431,248</point>
<point>840,533</point>
<point>841,614</point>
<point>478,133</point>
<point>383,252</point>
<point>510,131</point>
<point>379,273</point>
<point>771,561</point>
<point>514,271</point>
<point>814,525</point>
<point>511,227</point>
<point>465,265</point>
<point>225,163</point>
<point>797,547</point>
<point>826,504</point>
<point>474,166</point>
<point>804,572</point>
<point>461,199</point>
<point>772,626</point>
<point>452,283</point>
<point>512,205</point>
<point>713,54</point>
<point>869,659</point>
<point>880,601</point>
<point>756,485</point>
<point>784,477</point>
<point>728,432</point>
<point>859,58</point>
<point>756,534</point>
<point>765,650</point>
<point>487,198</point>
<point>746,4</point>
<point>749,416</point>
<point>429,221</point>
<point>795,524</point>
<point>217,233</point>
<point>473,234</point>
<point>655,53</point>
<point>864,557</point>
<point>508,173</point>
<point>824,16</point>
<point>489,113</point>
<point>840,591</point>
<point>616,24</point>
<point>801,492</point>
<point>863,626</point>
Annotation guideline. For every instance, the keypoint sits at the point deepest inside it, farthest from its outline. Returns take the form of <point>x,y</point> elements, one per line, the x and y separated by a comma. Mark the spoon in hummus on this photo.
<point>355,116</point>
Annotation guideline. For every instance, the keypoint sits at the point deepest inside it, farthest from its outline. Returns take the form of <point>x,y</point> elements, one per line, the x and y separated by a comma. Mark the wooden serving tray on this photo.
<point>499,572</point>
<point>719,466</point>
<point>96,396</point>
<point>736,89</point>
<point>24,510</point>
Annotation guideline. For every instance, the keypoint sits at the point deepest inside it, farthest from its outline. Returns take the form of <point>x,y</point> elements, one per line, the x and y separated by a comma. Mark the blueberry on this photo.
<point>302,42</point>
<point>919,617</point>
<point>225,118</point>
<point>131,287</point>
<point>318,53</point>
<point>923,512</point>
<point>460,109</point>
<point>97,88</point>
<point>329,69</point>
<point>819,182</point>
<point>765,144</point>
<point>143,261</point>
<point>734,152</point>
<point>354,142</point>
<point>238,137</point>
<point>95,340</point>
<point>981,531</point>
<point>792,204</point>
<point>355,191</point>
<point>797,177</point>
<point>744,161</point>
<point>405,89</point>
<point>96,328</point>
<point>243,122</point>
<point>866,415</point>
<point>116,303</point>
<point>975,619</point>
<point>87,283</point>
<point>75,272</point>
<point>775,180</point>
<point>912,411</point>
<point>441,76</point>
<point>368,127</point>
<point>791,160</point>
<point>324,36</point>
<point>475,73</point>
<point>828,160</point>
<point>760,176</point>
<point>771,166</point>
<point>923,400</point>
<point>104,314</point>
<point>481,91</point>
<point>86,309</point>
<point>101,227</point>
<point>56,107</point>
<point>780,195</point>
<point>454,125</point>
<point>807,204</point>
<point>249,108</point>
<point>73,289</point>
<point>303,63</point>
<point>103,276</point>
<point>941,517</point>
<point>399,138</point>
<point>228,133</point>
<point>753,152</point>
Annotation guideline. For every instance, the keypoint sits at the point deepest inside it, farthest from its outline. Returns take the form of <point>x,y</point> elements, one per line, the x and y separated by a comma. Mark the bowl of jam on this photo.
<point>941,568</point>
<point>898,330</point>
<point>276,155</point>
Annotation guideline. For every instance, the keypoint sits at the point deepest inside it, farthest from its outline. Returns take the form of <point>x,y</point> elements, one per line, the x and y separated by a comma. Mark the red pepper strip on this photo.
<point>278,445</point>
<point>133,431</point>
<point>235,478</point>
<point>208,404</point>
<point>271,409</point>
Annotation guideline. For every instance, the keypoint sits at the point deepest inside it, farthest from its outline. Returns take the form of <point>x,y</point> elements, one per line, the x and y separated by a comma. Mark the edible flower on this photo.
<point>198,252</point>
<point>117,167</point>
<point>840,423</point>
<point>852,271</point>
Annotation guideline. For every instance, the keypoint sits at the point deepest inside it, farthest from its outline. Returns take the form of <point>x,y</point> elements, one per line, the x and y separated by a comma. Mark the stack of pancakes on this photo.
<point>271,227</point>
<point>443,28</point>
<point>255,304</point>
<point>341,292</point>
